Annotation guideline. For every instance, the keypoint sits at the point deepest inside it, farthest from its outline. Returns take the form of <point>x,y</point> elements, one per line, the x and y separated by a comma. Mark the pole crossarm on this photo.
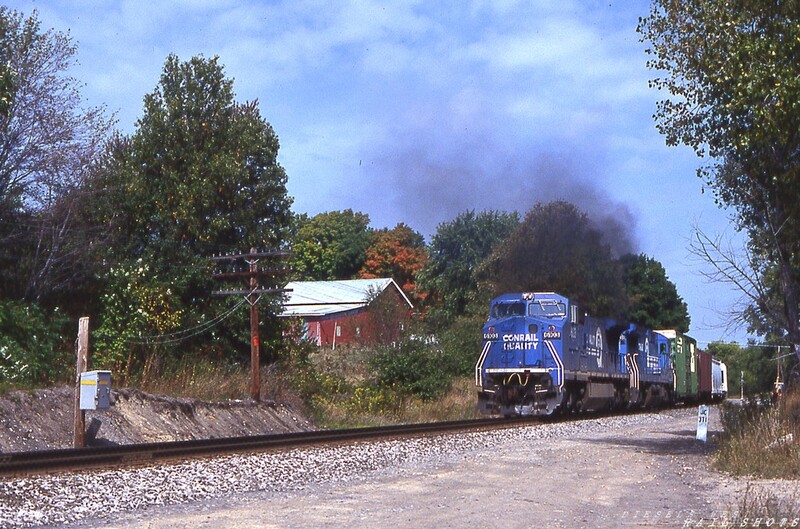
<point>253,293</point>
<point>248,292</point>
<point>234,257</point>
<point>269,272</point>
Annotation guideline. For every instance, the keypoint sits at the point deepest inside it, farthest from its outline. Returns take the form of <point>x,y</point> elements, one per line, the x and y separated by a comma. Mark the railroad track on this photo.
<point>49,461</point>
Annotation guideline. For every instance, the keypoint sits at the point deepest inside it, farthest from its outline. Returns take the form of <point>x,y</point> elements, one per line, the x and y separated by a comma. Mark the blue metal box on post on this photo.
<point>95,390</point>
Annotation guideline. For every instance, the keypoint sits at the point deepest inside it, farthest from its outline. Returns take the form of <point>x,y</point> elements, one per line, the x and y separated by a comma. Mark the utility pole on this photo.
<point>255,351</point>
<point>253,295</point>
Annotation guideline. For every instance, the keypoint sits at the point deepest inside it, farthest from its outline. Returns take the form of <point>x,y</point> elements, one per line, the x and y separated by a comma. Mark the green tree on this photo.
<point>331,246</point>
<point>653,299</point>
<point>199,176</point>
<point>48,143</point>
<point>398,253</point>
<point>456,251</point>
<point>758,364</point>
<point>555,248</point>
<point>32,348</point>
<point>732,76</point>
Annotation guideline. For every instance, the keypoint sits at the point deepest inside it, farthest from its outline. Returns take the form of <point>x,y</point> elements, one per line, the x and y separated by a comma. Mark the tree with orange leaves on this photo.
<point>398,253</point>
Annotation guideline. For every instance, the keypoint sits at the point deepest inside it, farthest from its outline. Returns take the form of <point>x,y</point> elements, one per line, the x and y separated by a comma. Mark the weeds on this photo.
<point>341,388</point>
<point>203,379</point>
<point>760,507</point>
<point>381,405</point>
<point>760,439</point>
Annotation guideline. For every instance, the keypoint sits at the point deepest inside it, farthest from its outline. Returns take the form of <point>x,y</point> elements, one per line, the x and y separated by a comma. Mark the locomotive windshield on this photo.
<point>504,310</point>
<point>547,308</point>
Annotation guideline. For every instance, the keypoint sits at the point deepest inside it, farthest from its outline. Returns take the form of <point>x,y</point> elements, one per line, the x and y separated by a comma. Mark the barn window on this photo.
<point>338,331</point>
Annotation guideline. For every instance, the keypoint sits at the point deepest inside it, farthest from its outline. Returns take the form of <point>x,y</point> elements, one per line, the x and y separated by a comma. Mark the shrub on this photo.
<point>461,344</point>
<point>374,400</point>
<point>134,306</point>
<point>32,350</point>
<point>413,366</point>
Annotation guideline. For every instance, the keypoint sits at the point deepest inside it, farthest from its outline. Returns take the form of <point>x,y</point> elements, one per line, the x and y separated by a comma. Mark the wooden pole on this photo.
<point>81,365</point>
<point>253,295</point>
<point>255,356</point>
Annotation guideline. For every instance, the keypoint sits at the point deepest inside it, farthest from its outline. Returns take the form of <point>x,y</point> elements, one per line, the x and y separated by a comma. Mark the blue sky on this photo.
<point>415,111</point>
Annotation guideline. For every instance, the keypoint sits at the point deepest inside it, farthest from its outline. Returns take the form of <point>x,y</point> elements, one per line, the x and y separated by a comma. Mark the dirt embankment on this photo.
<point>42,419</point>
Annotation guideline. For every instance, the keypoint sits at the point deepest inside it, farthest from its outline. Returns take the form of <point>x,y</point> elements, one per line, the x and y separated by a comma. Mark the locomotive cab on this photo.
<point>519,371</point>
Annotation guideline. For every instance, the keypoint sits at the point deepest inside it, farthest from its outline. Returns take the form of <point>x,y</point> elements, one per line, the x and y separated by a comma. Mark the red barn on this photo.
<point>355,311</point>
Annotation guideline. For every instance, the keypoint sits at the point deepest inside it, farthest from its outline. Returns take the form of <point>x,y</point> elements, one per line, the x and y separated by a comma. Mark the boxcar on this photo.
<point>704,382</point>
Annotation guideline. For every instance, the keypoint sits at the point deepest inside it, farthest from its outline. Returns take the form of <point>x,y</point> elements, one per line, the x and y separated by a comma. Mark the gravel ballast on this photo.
<point>495,467</point>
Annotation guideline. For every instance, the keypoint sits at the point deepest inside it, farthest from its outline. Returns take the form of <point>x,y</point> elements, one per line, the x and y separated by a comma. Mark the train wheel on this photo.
<point>571,401</point>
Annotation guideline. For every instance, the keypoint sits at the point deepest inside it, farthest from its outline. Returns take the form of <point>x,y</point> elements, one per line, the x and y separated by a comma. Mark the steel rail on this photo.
<point>120,456</point>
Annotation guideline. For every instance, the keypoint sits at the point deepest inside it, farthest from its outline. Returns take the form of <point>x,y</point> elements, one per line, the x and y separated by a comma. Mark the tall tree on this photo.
<point>398,253</point>
<point>653,299</point>
<point>555,248</point>
<point>48,143</point>
<point>732,72</point>
<point>200,175</point>
<point>331,245</point>
<point>456,250</point>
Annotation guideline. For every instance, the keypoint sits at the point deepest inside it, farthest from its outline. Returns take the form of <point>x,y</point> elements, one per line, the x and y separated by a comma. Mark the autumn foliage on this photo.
<point>398,253</point>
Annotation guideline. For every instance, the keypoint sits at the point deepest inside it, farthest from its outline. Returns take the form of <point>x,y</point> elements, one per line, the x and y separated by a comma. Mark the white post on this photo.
<point>702,423</point>
<point>741,385</point>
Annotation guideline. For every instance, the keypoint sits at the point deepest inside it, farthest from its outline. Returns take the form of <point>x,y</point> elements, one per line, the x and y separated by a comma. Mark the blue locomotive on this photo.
<point>542,355</point>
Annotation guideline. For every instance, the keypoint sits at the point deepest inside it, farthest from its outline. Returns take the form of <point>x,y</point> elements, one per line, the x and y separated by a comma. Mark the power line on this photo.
<point>252,275</point>
<point>185,334</point>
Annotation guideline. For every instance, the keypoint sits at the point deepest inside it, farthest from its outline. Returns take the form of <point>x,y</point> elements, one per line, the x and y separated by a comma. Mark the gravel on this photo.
<point>97,495</point>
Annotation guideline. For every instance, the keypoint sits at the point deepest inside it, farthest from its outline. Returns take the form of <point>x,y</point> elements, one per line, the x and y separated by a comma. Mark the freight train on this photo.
<point>542,355</point>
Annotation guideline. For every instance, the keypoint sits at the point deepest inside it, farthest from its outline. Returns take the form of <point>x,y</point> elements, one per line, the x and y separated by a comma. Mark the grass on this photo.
<point>333,388</point>
<point>204,380</point>
<point>762,507</point>
<point>763,441</point>
<point>378,406</point>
